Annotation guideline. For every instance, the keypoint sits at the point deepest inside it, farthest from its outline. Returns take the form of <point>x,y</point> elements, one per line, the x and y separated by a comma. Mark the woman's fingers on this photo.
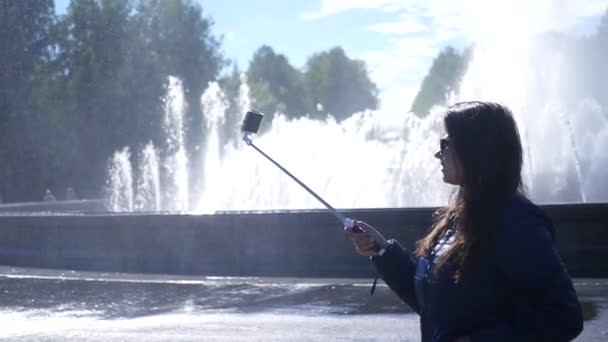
<point>366,251</point>
<point>365,238</point>
<point>368,244</point>
<point>379,240</point>
<point>348,231</point>
<point>364,232</point>
<point>363,225</point>
<point>365,244</point>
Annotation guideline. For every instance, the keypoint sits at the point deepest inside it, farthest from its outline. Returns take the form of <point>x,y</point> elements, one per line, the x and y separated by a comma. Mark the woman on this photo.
<point>488,269</point>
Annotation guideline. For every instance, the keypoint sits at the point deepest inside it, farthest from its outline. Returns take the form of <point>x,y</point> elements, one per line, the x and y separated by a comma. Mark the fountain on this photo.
<point>559,130</point>
<point>148,196</point>
<point>331,162</point>
<point>213,105</point>
<point>380,159</point>
<point>176,190</point>
<point>120,183</point>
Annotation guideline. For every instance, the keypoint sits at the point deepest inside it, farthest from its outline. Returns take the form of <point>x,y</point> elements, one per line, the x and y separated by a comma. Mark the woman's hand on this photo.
<point>368,241</point>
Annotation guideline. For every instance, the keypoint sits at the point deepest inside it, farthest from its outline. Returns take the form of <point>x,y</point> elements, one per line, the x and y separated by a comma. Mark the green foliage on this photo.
<point>340,85</point>
<point>92,50</point>
<point>442,79</point>
<point>230,85</point>
<point>331,83</point>
<point>275,85</point>
<point>178,37</point>
<point>76,88</point>
<point>94,79</point>
<point>25,41</point>
<point>174,38</point>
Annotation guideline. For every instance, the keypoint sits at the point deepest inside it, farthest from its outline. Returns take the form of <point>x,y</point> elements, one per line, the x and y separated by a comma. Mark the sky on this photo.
<point>397,39</point>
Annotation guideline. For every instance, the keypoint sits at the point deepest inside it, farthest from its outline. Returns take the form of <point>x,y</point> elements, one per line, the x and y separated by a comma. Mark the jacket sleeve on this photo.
<point>549,309</point>
<point>397,267</point>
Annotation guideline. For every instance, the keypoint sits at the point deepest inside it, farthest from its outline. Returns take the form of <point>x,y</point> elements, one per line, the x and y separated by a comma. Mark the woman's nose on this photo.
<point>438,154</point>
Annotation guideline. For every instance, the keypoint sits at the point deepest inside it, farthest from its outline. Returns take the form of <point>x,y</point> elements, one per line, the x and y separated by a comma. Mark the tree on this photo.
<point>340,85</point>
<point>93,45</point>
<point>176,39</point>
<point>231,84</point>
<point>24,37</point>
<point>24,33</point>
<point>443,78</point>
<point>179,36</point>
<point>276,86</point>
<point>114,58</point>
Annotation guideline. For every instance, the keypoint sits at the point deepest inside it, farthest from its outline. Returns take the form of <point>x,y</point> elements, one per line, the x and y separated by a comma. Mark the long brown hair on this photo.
<point>485,139</point>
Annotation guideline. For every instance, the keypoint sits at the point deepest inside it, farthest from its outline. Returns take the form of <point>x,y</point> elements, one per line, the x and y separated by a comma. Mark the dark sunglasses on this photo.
<point>443,144</point>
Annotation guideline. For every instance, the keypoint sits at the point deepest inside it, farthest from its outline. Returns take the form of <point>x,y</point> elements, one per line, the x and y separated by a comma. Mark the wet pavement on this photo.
<point>51,305</point>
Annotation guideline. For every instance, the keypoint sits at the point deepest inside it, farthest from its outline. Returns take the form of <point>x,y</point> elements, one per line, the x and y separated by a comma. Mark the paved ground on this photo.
<point>48,305</point>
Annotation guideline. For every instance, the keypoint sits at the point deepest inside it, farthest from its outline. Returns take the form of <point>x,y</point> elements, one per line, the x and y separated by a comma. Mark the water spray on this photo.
<point>251,125</point>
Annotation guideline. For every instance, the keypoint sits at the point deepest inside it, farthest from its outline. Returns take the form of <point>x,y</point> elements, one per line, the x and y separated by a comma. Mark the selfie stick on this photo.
<point>251,125</point>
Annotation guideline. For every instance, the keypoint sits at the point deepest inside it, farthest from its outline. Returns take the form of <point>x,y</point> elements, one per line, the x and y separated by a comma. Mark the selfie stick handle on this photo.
<point>347,222</point>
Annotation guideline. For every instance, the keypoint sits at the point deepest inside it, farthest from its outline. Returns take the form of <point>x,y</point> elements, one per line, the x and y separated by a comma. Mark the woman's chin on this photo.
<point>448,180</point>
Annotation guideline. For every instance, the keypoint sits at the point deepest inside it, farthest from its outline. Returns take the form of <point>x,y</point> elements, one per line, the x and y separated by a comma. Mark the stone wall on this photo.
<point>278,244</point>
<point>76,206</point>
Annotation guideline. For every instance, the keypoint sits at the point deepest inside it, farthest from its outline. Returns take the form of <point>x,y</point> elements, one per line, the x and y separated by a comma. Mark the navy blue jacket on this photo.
<point>521,291</point>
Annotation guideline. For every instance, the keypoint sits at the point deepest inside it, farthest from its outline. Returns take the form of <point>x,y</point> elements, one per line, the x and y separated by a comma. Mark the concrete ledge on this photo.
<point>286,244</point>
<point>99,205</point>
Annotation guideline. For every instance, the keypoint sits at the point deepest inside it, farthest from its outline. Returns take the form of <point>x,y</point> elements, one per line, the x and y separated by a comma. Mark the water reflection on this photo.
<point>111,296</point>
<point>55,303</point>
